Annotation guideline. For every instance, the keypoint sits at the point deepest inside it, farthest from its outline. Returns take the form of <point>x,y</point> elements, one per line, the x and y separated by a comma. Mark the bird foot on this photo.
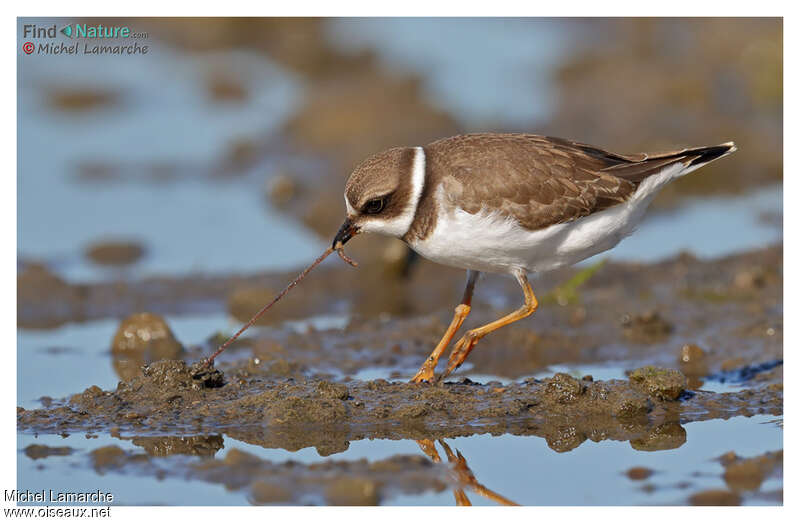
<point>424,374</point>
<point>460,352</point>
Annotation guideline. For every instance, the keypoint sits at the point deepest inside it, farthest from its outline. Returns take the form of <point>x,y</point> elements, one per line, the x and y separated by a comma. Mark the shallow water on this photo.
<point>507,79</point>
<point>522,469</point>
<point>77,355</point>
<point>162,119</point>
<point>706,227</point>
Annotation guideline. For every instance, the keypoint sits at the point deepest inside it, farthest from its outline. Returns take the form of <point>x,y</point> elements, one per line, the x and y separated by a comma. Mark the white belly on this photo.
<point>488,242</point>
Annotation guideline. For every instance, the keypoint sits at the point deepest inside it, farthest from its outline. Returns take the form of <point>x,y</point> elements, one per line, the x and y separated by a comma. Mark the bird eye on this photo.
<point>374,206</point>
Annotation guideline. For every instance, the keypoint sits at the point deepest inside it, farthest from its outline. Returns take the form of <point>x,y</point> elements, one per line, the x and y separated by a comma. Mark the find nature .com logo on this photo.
<point>86,32</point>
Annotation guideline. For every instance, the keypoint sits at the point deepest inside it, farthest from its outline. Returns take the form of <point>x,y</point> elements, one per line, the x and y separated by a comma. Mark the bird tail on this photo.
<point>636,168</point>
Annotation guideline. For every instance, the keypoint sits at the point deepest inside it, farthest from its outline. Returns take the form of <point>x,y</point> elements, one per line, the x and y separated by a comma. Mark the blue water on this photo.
<point>507,80</point>
<point>77,355</point>
<point>708,227</point>
<point>201,224</point>
<point>163,117</point>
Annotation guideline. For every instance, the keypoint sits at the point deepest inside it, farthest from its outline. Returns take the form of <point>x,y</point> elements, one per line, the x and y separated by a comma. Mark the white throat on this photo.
<point>399,225</point>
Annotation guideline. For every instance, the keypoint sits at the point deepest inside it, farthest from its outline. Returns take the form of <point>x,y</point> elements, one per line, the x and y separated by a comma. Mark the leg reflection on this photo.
<point>461,473</point>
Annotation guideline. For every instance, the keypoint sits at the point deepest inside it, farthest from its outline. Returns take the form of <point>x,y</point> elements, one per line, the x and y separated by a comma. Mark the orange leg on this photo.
<point>461,498</point>
<point>425,372</point>
<point>468,341</point>
<point>465,477</point>
<point>429,448</point>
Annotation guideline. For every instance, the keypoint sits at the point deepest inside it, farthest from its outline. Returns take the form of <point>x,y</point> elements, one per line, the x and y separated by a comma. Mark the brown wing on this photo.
<point>541,181</point>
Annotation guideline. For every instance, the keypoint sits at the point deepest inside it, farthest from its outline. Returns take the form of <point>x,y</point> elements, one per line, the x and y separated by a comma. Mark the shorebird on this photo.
<point>506,203</point>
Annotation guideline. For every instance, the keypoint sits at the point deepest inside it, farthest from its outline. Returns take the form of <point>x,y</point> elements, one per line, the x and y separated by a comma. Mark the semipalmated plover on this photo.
<point>506,203</point>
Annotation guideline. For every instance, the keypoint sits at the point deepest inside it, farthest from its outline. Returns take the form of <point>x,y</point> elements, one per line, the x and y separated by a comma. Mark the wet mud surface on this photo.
<point>682,330</point>
<point>170,397</point>
<point>702,318</point>
<point>289,388</point>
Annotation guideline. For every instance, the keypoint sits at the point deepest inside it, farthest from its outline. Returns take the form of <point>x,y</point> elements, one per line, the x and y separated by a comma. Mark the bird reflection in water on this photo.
<point>462,474</point>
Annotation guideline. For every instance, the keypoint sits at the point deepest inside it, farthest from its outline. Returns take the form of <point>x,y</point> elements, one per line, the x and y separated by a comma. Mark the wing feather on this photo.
<point>537,180</point>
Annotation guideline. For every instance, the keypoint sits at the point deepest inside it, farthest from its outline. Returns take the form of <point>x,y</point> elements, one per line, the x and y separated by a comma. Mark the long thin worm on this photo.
<point>265,308</point>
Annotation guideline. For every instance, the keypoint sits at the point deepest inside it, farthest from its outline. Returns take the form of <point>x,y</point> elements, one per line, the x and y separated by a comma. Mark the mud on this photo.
<point>44,451</point>
<point>289,388</point>
<point>747,474</point>
<point>715,498</point>
<point>335,482</point>
<point>744,478</point>
<point>75,100</point>
<point>394,323</point>
<point>639,473</point>
<point>665,384</point>
<point>115,253</point>
<point>170,397</point>
<point>159,446</point>
<point>141,339</point>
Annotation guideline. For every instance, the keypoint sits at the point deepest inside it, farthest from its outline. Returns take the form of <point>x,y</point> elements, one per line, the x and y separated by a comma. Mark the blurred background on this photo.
<point>226,147</point>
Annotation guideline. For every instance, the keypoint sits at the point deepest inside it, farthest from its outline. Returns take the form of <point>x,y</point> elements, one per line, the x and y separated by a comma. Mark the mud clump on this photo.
<point>563,388</point>
<point>639,473</point>
<point>306,410</point>
<point>205,377</point>
<point>715,498</point>
<point>44,451</point>
<point>747,474</point>
<point>352,492</point>
<point>175,375</point>
<point>631,404</point>
<point>115,253</point>
<point>242,154</point>
<point>649,327</point>
<point>670,435</point>
<point>140,339</point>
<point>111,457</point>
<point>266,492</point>
<point>157,392</point>
<point>282,189</point>
<point>333,390</point>
<point>663,384</point>
<point>693,361</point>
<point>323,405</point>
<point>43,296</point>
<point>222,89</point>
<point>79,100</point>
<point>145,333</point>
<point>160,446</point>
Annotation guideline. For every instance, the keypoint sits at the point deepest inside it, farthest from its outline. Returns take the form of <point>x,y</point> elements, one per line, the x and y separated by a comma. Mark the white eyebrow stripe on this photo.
<point>400,225</point>
<point>350,210</point>
<point>417,179</point>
